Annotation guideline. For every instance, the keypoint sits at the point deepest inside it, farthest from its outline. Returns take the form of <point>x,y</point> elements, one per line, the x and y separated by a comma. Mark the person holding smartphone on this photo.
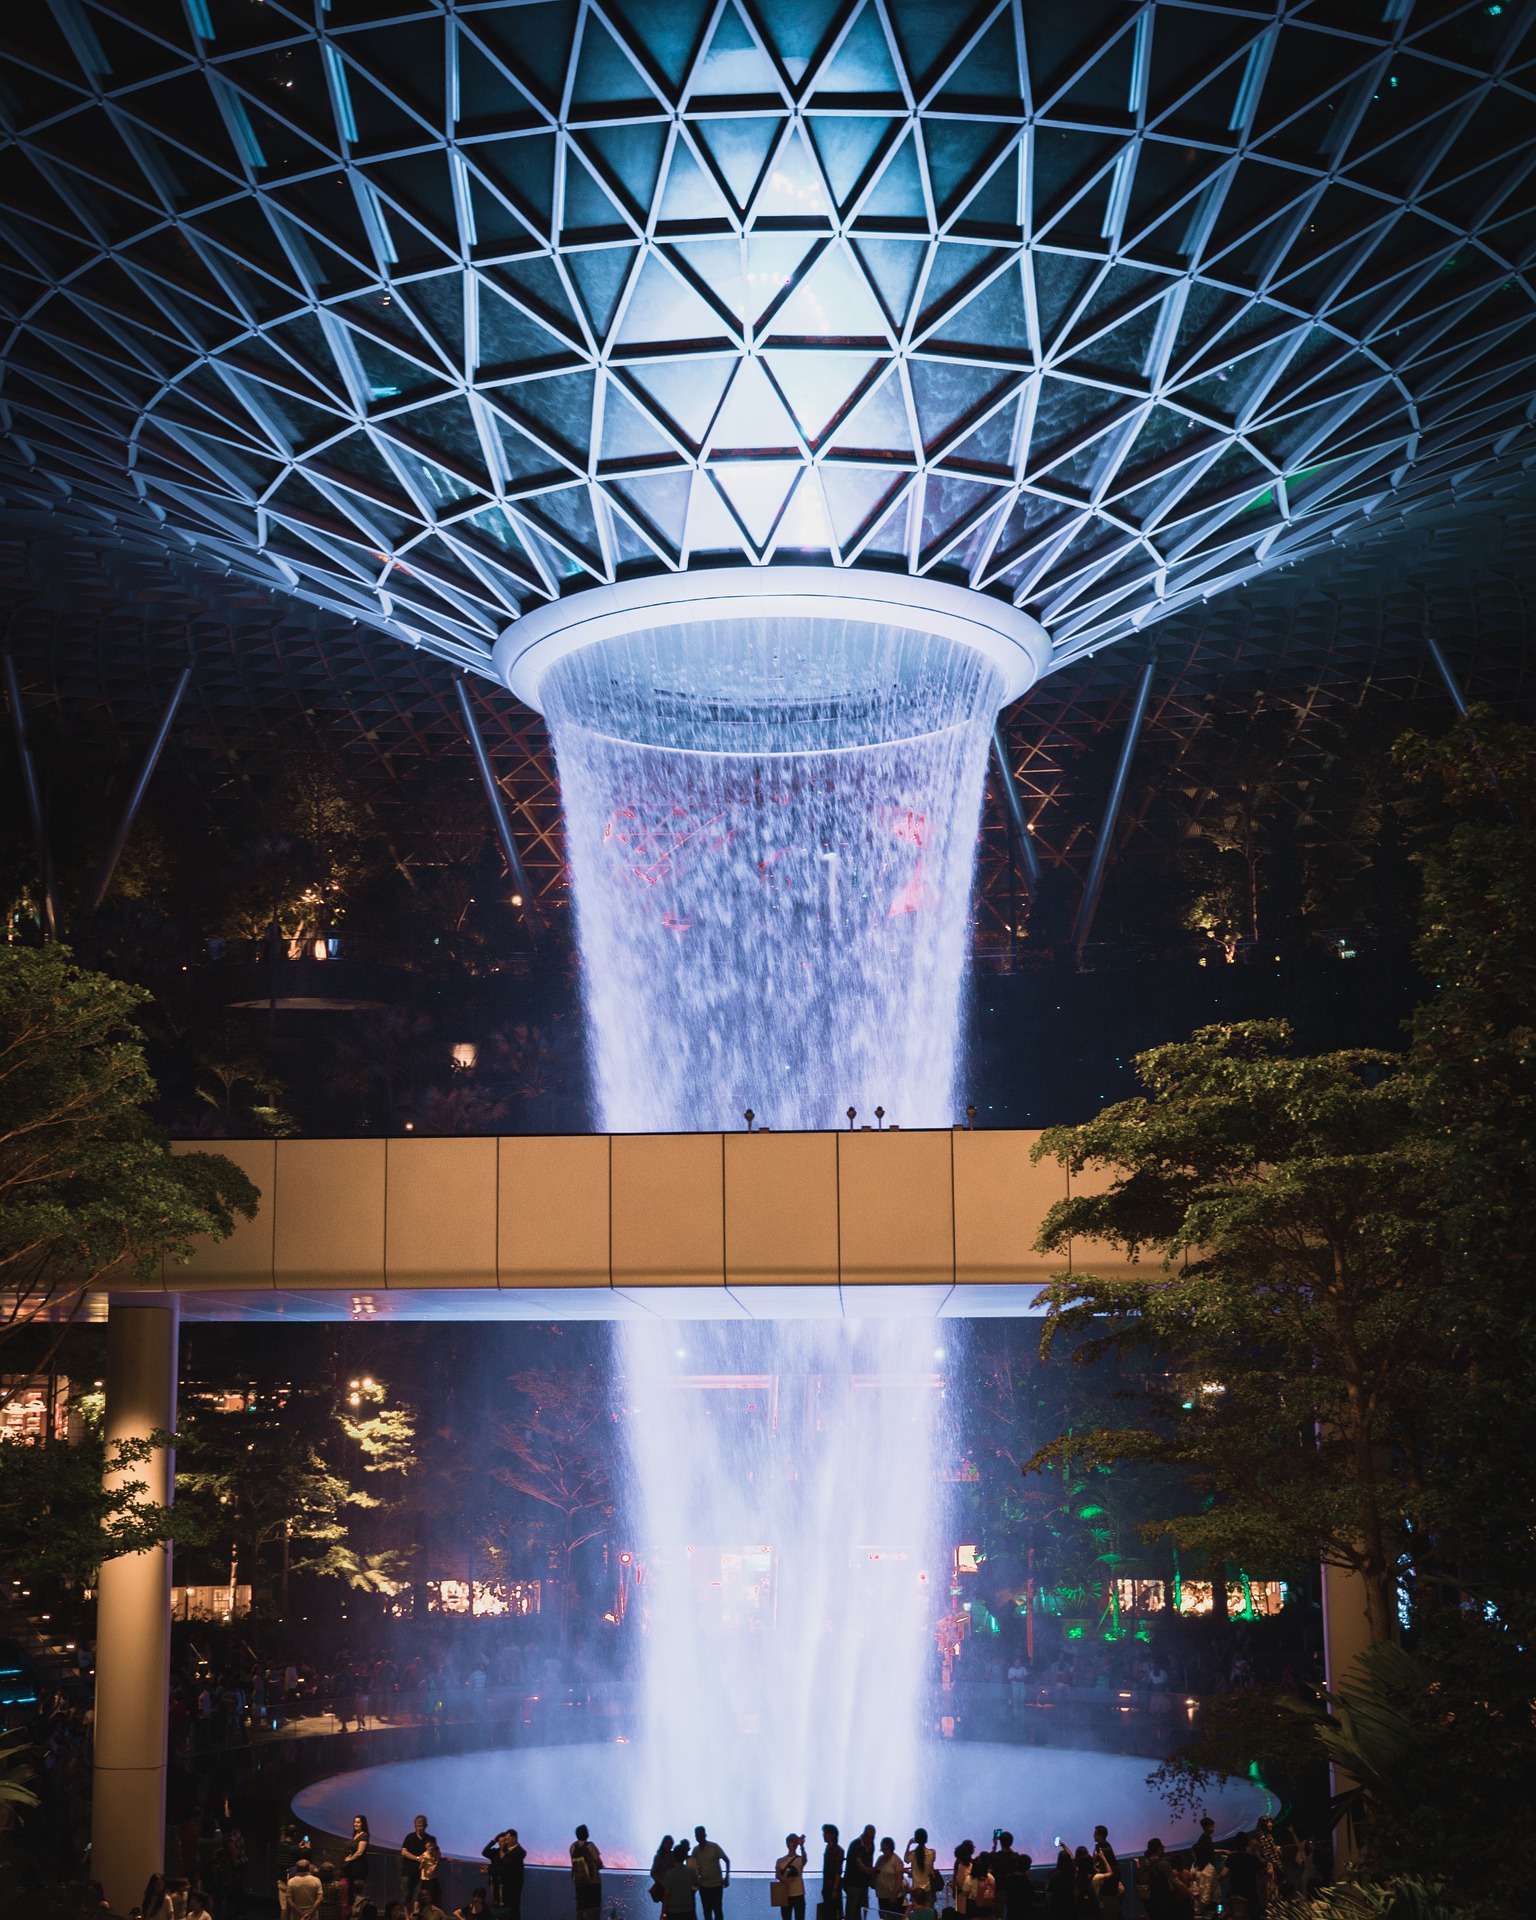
<point>789,1873</point>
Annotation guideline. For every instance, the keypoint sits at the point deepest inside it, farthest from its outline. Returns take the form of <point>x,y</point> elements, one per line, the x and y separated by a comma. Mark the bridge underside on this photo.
<point>611,1227</point>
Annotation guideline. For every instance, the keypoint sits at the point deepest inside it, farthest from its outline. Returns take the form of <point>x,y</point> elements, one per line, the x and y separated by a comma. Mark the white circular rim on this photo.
<point>1017,645</point>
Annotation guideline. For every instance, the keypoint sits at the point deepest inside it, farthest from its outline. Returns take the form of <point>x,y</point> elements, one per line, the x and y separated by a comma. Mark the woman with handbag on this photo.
<point>788,1889</point>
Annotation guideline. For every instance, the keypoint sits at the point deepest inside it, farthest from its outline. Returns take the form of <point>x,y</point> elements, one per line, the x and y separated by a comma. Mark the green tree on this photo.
<point>559,1458</point>
<point>88,1185</point>
<point>1296,1306</point>
<point>283,1485</point>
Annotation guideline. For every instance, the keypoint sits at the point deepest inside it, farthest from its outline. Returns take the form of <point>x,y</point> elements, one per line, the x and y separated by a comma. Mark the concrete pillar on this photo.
<point>1346,1635</point>
<point>133,1616</point>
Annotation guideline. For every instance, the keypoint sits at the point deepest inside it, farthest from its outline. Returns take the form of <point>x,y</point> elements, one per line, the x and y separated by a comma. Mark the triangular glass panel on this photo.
<point>710,526</point>
<point>833,299</point>
<point>890,537</point>
<point>898,193</point>
<point>523,170</point>
<point>797,30</point>
<point>757,490</point>
<point>389,374</point>
<point>945,392</point>
<point>949,503</point>
<point>629,433</point>
<point>660,500</point>
<point>716,264</point>
<point>804,526</point>
<point>734,65</point>
<point>534,41</point>
<point>988,76</point>
<point>991,444</point>
<point>668,30</point>
<point>818,385</point>
<point>511,339</point>
<point>663,307</point>
<point>773,262</point>
<point>753,418</point>
<point>1061,281</point>
<point>438,303</point>
<point>685,392</point>
<point>600,274</point>
<point>956,268</point>
<point>561,406</point>
<point>526,462</point>
<point>690,193</point>
<point>992,323</point>
<point>587,205</point>
<point>629,544</point>
<point>628,162</point>
<point>739,145</point>
<point>863,63</point>
<point>996,203</point>
<point>846,145</point>
<point>879,424</point>
<point>893,266</point>
<point>448,429</point>
<point>567,514</point>
<point>1060,41</point>
<point>959,152</point>
<point>855,495</point>
<point>925,34</point>
<point>535,282</point>
<point>605,75</point>
<point>794,185</point>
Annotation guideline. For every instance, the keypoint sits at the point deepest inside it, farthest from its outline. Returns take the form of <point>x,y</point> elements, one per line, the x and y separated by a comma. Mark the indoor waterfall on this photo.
<point>771,828</point>
<point>788,1513</point>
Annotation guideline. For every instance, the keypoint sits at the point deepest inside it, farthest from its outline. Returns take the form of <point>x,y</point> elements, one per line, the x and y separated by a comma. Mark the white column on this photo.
<point>133,1615</point>
<point>1346,1635</point>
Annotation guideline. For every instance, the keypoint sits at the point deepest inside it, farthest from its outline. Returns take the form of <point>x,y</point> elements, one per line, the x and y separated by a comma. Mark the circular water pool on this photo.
<point>973,1788</point>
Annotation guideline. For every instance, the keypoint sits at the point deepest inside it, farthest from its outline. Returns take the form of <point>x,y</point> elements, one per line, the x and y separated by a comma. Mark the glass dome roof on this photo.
<point>432,314</point>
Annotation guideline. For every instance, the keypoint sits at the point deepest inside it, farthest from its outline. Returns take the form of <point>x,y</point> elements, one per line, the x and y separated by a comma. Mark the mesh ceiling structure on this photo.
<point>431,313</point>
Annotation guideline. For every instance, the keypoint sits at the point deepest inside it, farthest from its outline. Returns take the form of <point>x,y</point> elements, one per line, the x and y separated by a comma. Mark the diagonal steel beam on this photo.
<point>498,812</point>
<point>1447,673</point>
<point>1094,884</point>
<point>34,801</point>
<point>1023,838</point>
<point>140,787</point>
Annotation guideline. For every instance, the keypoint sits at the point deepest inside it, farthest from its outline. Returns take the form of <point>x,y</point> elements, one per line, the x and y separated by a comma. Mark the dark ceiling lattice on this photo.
<point>430,313</point>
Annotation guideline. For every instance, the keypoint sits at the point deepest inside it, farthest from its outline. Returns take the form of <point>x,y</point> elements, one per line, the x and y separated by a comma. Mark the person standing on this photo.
<point>1107,1888</point>
<point>960,1878</point>
<point>1010,1870</point>
<point>1154,1882</point>
<point>920,1858</point>
<point>354,1862</point>
<point>831,1875</point>
<point>890,1878</point>
<point>858,1871</point>
<point>713,1865</point>
<point>505,1860</point>
<point>1245,1881</point>
<point>679,1884</point>
<point>1203,1853</point>
<point>412,1849</point>
<point>304,1891</point>
<point>586,1872</point>
<point>789,1872</point>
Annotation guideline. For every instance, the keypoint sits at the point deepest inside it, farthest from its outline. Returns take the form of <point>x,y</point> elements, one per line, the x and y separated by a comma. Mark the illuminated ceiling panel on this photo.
<point>432,313</point>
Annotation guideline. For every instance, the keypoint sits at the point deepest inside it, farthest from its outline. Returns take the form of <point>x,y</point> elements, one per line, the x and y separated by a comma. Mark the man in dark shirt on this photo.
<point>831,1876</point>
<point>1245,1881</point>
<point>859,1872</point>
<point>1106,1868</point>
<point>1154,1882</point>
<point>1204,1850</point>
<point>1010,1870</point>
<point>505,1872</point>
<point>412,1847</point>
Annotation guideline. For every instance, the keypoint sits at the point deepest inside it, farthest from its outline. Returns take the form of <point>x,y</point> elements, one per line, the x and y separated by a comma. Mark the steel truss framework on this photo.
<point>431,312</point>
<point>99,633</point>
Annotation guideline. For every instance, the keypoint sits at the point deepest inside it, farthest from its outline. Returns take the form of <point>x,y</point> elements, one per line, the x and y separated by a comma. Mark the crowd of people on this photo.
<point>868,1879</point>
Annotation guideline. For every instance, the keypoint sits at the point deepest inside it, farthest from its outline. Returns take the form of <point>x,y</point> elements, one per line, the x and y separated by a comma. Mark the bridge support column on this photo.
<point>1346,1635</point>
<point>133,1616</point>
